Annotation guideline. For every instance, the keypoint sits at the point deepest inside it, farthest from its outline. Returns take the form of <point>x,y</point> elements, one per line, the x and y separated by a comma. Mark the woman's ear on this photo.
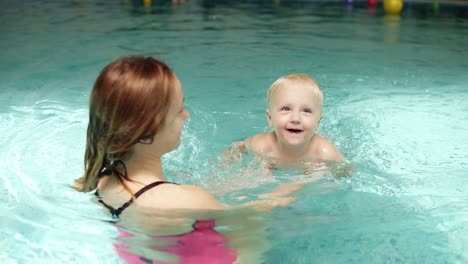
<point>147,138</point>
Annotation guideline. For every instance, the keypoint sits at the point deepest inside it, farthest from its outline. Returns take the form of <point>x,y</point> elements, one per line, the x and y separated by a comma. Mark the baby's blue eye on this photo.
<point>285,108</point>
<point>307,110</point>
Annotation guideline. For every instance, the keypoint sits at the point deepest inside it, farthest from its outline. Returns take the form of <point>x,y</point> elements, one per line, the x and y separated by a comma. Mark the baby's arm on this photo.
<point>235,151</point>
<point>238,149</point>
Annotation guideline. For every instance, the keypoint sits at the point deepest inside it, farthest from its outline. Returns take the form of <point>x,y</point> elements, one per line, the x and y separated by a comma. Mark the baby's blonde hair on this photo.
<point>297,79</point>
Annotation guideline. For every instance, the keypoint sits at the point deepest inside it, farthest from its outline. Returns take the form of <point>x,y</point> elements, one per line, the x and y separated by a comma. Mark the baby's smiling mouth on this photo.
<point>294,131</point>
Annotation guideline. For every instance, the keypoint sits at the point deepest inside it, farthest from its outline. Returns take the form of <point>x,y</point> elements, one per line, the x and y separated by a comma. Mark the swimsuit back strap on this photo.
<point>116,212</point>
<point>147,187</point>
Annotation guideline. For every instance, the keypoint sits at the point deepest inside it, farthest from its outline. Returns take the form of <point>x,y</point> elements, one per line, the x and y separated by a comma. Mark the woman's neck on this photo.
<point>145,168</point>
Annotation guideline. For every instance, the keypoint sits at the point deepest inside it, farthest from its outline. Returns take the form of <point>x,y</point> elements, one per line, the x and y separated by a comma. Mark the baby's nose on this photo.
<point>294,121</point>
<point>295,118</point>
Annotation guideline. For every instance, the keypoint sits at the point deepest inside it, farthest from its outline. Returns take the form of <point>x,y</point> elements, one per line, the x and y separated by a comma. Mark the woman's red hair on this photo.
<point>128,104</point>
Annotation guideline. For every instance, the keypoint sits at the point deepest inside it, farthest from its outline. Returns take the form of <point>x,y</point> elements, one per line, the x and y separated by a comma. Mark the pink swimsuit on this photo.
<point>203,245</point>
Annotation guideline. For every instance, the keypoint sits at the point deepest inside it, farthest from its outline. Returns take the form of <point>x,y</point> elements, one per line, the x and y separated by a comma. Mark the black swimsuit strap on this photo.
<point>116,212</point>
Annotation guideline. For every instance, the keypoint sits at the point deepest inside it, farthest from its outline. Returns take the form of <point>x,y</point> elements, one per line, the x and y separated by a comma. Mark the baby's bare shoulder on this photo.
<point>325,150</point>
<point>260,143</point>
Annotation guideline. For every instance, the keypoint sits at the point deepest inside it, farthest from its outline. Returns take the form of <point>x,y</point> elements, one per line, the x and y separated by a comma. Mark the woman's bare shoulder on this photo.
<point>180,197</point>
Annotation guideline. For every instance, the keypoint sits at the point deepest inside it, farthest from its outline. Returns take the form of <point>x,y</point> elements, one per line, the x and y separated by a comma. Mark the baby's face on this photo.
<point>294,114</point>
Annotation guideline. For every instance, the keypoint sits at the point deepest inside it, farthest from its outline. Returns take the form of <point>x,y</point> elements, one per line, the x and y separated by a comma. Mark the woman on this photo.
<point>136,116</point>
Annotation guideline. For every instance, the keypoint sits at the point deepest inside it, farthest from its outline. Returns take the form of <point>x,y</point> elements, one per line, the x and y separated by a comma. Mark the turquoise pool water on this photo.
<point>396,93</point>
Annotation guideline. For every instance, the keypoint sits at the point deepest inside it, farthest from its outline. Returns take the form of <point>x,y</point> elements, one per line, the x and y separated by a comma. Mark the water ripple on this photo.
<point>42,140</point>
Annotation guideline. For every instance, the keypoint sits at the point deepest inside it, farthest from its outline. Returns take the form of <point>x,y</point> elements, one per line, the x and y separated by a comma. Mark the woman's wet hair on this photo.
<point>128,105</point>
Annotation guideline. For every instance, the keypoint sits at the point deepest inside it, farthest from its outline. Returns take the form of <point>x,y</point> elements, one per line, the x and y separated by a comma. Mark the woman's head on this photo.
<point>129,104</point>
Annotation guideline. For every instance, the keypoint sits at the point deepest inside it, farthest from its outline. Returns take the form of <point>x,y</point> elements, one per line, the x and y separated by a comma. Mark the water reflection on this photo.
<point>176,236</point>
<point>392,28</point>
